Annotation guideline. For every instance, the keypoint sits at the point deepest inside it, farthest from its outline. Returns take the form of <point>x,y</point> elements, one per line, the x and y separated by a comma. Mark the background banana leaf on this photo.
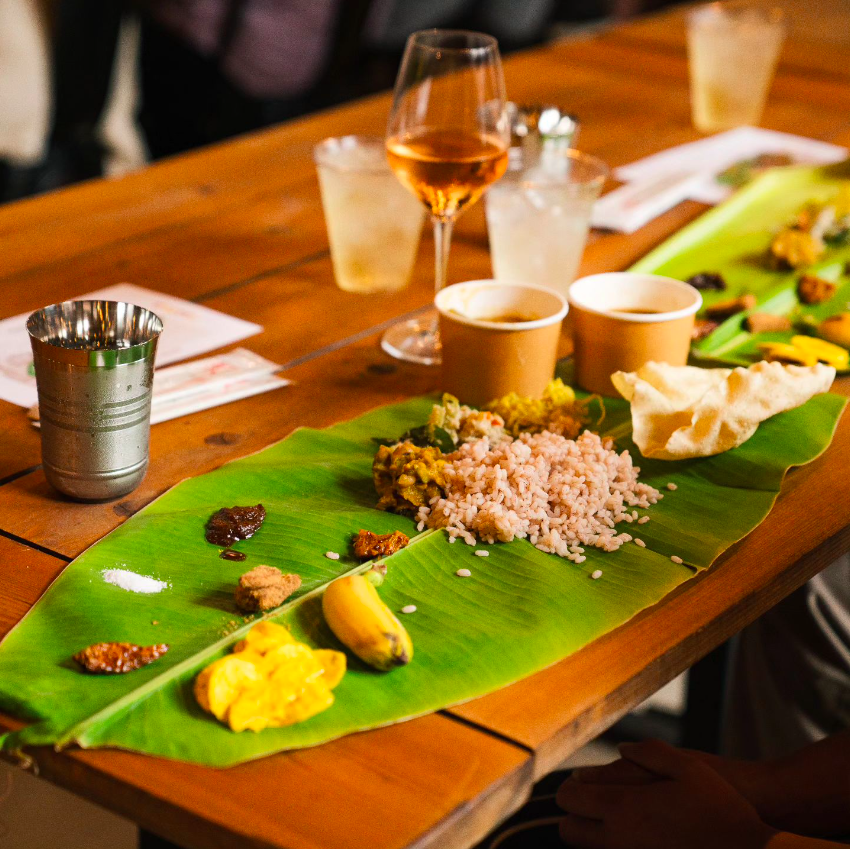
<point>521,610</point>
<point>733,240</point>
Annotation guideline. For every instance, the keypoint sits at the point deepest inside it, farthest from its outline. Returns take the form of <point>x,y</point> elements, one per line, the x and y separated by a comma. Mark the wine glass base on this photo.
<point>414,341</point>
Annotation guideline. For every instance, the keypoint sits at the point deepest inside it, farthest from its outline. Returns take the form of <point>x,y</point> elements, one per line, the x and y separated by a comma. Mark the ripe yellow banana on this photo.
<point>826,352</point>
<point>355,613</point>
<point>784,352</point>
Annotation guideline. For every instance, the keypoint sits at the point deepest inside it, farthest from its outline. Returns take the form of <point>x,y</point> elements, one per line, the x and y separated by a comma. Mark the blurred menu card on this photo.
<point>727,160</point>
<point>188,330</point>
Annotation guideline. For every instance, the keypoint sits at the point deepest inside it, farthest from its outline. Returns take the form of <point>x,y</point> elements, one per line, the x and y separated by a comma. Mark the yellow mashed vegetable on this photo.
<point>270,680</point>
<point>556,410</point>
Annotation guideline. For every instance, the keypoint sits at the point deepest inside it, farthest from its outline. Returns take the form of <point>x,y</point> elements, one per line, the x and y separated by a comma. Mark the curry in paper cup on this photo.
<point>498,338</point>
<point>622,320</point>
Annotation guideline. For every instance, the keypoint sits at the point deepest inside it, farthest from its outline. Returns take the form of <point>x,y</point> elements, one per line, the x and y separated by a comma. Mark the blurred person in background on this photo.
<point>24,94</point>
<point>215,68</point>
<point>194,72</point>
<point>659,797</point>
<point>210,69</point>
<point>100,86</point>
<point>64,112</point>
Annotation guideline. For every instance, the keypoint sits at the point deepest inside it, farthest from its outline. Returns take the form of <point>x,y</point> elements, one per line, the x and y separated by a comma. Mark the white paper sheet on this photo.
<point>234,390</point>
<point>713,155</point>
<point>188,330</point>
<point>210,382</point>
<point>627,208</point>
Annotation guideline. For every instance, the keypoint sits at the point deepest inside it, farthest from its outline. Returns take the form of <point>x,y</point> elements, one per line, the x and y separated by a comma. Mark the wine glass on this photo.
<point>447,141</point>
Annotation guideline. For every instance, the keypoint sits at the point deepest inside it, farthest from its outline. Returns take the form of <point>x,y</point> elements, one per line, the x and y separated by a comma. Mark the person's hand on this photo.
<point>807,792</point>
<point>752,779</point>
<point>657,797</point>
<point>756,781</point>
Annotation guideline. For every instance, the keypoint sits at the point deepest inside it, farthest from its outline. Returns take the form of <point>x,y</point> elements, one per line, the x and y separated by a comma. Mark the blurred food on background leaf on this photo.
<point>707,281</point>
<point>807,351</point>
<point>703,327</point>
<point>740,173</point>
<point>817,226</point>
<point>815,290</point>
<point>725,309</point>
<point>835,329</point>
<point>763,322</point>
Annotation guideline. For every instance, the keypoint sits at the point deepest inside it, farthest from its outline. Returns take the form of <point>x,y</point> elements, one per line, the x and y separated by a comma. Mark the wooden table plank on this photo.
<point>27,573</point>
<point>271,232</point>
<point>43,232</point>
<point>431,782</point>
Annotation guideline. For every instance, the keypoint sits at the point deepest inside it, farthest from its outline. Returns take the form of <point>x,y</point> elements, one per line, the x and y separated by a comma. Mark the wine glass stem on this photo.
<point>442,242</point>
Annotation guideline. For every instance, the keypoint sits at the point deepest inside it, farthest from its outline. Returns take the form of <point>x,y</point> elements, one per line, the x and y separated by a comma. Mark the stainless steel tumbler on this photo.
<point>94,371</point>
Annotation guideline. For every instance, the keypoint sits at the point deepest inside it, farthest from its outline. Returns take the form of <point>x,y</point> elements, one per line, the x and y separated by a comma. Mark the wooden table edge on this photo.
<point>75,768</point>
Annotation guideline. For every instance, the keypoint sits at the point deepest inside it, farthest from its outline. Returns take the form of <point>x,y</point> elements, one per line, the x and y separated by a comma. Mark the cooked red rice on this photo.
<point>560,494</point>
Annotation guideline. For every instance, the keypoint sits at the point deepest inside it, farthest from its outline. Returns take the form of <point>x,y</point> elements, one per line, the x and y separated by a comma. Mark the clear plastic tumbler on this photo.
<point>373,222</point>
<point>732,54</point>
<point>538,218</point>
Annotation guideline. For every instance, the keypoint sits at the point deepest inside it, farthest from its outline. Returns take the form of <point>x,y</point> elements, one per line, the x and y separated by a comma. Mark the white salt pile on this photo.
<point>132,582</point>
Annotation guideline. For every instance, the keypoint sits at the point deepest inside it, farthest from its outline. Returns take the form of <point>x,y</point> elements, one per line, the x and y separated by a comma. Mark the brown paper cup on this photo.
<point>622,320</point>
<point>498,338</point>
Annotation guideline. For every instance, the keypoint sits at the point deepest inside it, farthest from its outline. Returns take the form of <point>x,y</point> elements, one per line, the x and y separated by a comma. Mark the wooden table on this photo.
<point>239,228</point>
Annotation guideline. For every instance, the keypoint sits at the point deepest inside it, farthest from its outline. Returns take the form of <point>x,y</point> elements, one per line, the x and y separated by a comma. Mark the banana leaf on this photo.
<point>733,240</point>
<point>521,610</point>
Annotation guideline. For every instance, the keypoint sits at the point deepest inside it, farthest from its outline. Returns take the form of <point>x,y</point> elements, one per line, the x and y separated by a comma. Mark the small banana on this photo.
<point>783,352</point>
<point>836,329</point>
<point>355,613</point>
<point>826,352</point>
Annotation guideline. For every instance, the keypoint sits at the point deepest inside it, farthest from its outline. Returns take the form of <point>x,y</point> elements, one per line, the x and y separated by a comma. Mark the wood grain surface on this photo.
<point>238,227</point>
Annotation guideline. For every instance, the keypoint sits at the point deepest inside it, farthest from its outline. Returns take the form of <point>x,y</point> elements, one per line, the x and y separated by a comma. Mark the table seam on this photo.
<point>34,545</point>
<point>354,338</point>
<point>483,729</point>
<point>15,475</point>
